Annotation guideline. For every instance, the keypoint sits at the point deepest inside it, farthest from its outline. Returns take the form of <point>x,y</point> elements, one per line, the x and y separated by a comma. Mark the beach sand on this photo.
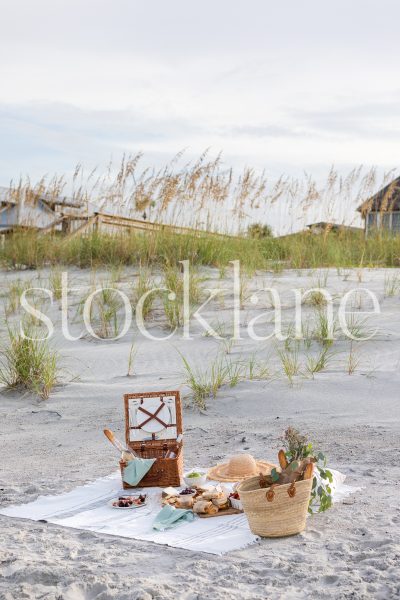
<point>47,447</point>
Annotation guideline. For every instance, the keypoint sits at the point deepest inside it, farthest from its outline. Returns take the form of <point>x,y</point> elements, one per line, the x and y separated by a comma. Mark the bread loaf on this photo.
<point>221,503</point>
<point>184,502</point>
<point>212,495</point>
<point>205,507</point>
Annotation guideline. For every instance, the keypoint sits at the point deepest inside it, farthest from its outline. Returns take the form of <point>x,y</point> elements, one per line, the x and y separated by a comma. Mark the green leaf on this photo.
<point>329,476</point>
<point>274,475</point>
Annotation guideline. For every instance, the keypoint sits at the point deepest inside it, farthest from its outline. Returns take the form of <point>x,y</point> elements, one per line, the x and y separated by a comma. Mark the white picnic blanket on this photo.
<point>86,507</point>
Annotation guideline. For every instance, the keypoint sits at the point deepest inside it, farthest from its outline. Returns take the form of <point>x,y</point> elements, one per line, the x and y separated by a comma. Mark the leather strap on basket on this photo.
<point>152,415</point>
<point>292,491</point>
<point>270,495</point>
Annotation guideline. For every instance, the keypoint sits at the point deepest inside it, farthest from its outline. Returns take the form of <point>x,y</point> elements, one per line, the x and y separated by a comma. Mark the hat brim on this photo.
<point>220,472</point>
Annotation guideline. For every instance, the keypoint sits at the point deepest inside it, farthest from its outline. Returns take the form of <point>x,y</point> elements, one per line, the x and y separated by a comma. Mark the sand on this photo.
<point>351,551</point>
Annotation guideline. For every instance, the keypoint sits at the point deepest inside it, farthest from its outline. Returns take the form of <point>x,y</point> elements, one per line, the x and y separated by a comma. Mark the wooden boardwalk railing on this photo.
<point>98,219</point>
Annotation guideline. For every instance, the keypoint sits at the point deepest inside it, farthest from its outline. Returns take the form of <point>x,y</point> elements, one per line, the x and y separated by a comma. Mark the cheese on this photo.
<point>169,491</point>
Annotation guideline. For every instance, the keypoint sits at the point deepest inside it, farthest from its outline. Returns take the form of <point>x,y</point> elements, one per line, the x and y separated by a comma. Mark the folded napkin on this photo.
<point>170,517</point>
<point>136,469</point>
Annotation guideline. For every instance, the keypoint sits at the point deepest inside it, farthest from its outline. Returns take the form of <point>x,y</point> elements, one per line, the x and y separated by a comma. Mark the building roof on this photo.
<point>8,196</point>
<point>387,199</point>
<point>332,226</point>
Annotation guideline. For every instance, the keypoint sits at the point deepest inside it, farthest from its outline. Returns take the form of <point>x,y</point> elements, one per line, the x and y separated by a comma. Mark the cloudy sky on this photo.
<point>286,86</point>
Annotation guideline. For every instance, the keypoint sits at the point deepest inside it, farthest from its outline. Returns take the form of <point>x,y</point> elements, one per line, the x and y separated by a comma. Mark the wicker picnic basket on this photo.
<point>276,511</point>
<point>153,421</point>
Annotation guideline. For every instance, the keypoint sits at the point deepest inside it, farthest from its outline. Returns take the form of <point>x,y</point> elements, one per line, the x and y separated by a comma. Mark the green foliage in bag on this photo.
<point>297,448</point>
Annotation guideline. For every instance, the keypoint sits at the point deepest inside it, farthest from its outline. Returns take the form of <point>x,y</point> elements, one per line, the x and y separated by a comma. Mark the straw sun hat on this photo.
<point>239,467</point>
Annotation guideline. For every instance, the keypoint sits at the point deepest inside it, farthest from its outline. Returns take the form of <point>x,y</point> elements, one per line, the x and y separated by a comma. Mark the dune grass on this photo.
<point>104,308</point>
<point>203,196</point>
<point>318,363</point>
<point>166,248</point>
<point>28,364</point>
<point>143,284</point>
<point>12,296</point>
<point>205,383</point>
<point>131,360</point>
<point>55,282</point>
<point>391,285</point>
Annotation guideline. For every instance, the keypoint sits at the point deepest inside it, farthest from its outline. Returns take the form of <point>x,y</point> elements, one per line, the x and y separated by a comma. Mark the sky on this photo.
<point>287,87</point>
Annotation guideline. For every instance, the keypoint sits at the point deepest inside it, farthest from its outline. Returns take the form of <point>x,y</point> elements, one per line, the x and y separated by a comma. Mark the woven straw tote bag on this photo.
<point>277,511</point>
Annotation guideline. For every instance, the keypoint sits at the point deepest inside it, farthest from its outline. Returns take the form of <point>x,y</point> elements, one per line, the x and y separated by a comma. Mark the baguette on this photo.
<point>282,459</point>
<point>309,471</point>
<point>291,474</point>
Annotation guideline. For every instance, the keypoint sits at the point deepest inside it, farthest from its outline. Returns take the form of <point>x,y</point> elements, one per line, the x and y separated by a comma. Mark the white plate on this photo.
<point>110,504</point>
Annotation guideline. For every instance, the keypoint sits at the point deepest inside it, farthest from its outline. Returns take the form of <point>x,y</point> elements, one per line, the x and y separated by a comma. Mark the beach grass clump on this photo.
<point>55,282</point>
<point>29,364</point>
<point>13,296</point>
<point>235,372</point>
<point>256,369</point>
<point>131,359</point>
<point>104,308</point>
<point>290,362</point>
<point>14,292</point>
<point>244,292</point>
<point>391,285</point>
<point>227,344</point>
<point>353,359</point>
<point>321,279</point>
<point>31,320</point>
<point>315,298</point>
<point>204,383</point>
<point>357,327</point>
<point>324,331</point>
<point>307,334</point>
<point>142,285</point>
<point>173,298</point>
<point>27,249</point>
<point>107,305</point>
<point>318,363</point>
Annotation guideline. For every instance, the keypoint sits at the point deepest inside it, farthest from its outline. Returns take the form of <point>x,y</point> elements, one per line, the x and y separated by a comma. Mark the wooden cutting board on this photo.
<point>222,513</point>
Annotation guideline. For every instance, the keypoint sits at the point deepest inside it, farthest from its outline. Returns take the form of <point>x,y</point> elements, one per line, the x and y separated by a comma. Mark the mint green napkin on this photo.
<point>170,517</point>
<point>136,469</point>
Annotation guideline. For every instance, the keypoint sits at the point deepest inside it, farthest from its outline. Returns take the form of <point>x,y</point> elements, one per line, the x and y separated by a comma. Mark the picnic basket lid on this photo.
<point>152,416</point>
